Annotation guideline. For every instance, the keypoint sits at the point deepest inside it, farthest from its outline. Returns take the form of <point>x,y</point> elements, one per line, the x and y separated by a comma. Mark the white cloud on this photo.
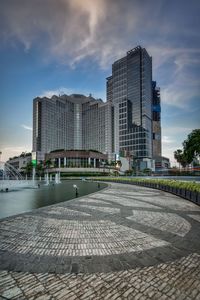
<point>10,151</point>
<point>182,84</point>
<point>167,140</point>
<point>57,92</point>
<point>68,31</point>
<point>169,152</point>
<point>14,149</point>
<point>26,127</point>
<point>68,91</point>
<point>174,130</point>
<point>173,96</point>
<point>180,56</point>
<point>181,91</point>
<point>71,30</point>
<point>169,145</point>
<point>172,139</point>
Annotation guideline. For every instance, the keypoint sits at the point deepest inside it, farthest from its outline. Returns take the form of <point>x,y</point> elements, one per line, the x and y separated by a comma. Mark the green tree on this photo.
<point>128,172</point>
<point>191,146</point>
<point>147,171</point>
<point>48,163</point>
<point>40,169</point>
<point>29,169</point>
<point>180,157</point>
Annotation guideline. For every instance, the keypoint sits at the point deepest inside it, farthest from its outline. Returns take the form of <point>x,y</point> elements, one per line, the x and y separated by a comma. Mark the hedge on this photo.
<point>188,190</point>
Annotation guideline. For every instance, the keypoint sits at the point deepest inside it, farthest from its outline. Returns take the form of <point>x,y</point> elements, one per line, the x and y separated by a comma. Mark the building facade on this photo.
<point>20,162</point>
<point>127,125</point>
<point>72,122</point>
<point>129,89</point>
<point>76,159</point>
<point>161,163</point>
<point>157,147</point>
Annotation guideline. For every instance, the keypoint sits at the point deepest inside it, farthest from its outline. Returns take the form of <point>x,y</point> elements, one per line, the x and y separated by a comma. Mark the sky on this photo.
<point>68,46</point>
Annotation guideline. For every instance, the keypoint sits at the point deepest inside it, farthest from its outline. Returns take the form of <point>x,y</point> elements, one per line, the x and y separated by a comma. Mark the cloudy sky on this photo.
<point>48,47</point>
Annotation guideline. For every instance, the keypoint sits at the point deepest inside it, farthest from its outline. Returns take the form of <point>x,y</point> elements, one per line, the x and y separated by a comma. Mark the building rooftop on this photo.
<point>74,98</point>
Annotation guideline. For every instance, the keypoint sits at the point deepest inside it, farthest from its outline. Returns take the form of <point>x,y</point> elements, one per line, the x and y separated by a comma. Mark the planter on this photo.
<point>193,197</point>
<point>188,195</point>
<point>198,198</point>
<point>179,192</point>
<point>173,190</point>
<point>183,191</point>
<point>167,188</point>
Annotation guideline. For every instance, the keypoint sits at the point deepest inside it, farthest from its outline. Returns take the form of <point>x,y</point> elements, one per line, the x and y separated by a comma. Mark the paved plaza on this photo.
<point>124,242</point>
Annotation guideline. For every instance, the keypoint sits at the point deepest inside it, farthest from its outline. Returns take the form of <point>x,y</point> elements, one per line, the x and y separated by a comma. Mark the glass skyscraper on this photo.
<point>129,89</point>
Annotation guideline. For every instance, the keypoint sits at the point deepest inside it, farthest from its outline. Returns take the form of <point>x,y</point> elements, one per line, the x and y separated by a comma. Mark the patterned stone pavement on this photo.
<point>124,242</point>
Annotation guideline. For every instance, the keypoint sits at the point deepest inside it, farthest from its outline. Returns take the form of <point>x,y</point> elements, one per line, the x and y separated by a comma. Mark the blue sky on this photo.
<point>68,46</point>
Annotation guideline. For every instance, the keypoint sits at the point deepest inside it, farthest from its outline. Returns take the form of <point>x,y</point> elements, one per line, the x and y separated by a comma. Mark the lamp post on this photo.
<point>76,189</point>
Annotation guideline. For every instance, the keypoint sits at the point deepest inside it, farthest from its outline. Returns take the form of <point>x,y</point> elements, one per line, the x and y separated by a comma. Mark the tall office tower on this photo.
<point>72,122</point>
<point>157,149</point>
<point>130,91</point>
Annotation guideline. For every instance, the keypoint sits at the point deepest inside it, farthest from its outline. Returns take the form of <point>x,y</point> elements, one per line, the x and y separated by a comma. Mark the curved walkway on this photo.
<point>125,242</point>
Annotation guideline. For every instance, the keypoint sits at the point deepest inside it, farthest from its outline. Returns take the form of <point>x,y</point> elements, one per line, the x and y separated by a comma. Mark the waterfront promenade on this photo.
<point>124,242</point>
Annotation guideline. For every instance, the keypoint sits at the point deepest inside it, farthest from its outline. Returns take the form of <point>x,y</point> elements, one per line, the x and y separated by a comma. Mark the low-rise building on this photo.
<point>75,159</point>
<point>161,163</point>
<point>20,162</point>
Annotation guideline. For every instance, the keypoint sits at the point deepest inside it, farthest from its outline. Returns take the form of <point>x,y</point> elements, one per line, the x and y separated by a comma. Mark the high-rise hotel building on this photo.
<point>72,122</point>
<point>128,124</point>
<point>129,89</point>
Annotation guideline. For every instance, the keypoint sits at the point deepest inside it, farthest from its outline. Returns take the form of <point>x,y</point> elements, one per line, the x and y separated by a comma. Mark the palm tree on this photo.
<point>28,169</point>
<point>48,163</point>
<point>40,169</point>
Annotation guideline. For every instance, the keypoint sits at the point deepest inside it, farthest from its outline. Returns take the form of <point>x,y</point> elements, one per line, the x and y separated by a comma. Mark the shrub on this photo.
<point>190,186</point>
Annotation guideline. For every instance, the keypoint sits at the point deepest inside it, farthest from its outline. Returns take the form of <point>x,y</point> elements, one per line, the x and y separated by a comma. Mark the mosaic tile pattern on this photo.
<point>124,242</point>
<point>167,281</point>
<point>109,210</point>
<point>69,212</point>
<point>164,221</point>
<point>77,238</point>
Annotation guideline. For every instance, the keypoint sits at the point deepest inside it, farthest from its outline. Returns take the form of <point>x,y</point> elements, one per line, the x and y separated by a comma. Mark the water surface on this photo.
<point>27,199</point>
